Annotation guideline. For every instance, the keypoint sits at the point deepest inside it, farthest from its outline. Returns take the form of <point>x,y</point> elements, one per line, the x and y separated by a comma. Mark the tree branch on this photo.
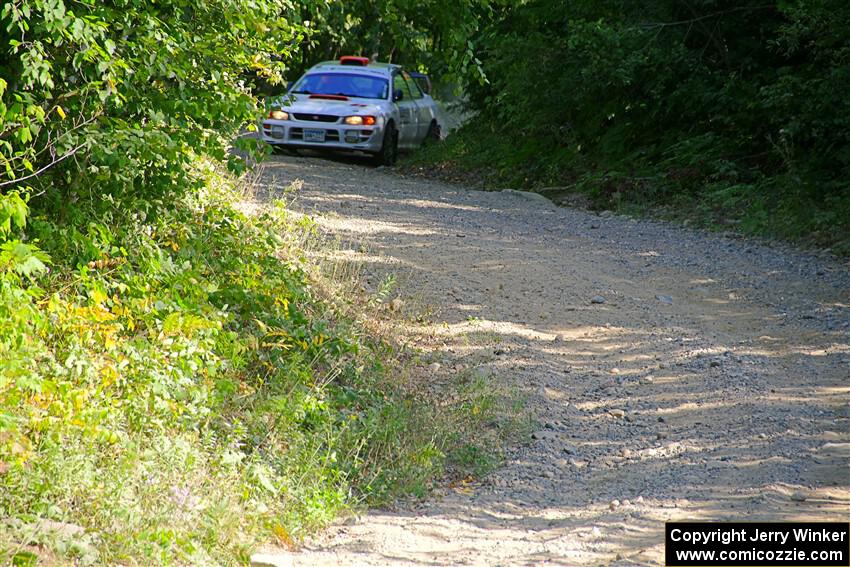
<point>41,170</point>
<point>51,146</point>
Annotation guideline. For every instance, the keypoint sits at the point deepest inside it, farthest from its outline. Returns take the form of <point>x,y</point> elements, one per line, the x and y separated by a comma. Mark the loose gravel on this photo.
<point>673,374</point>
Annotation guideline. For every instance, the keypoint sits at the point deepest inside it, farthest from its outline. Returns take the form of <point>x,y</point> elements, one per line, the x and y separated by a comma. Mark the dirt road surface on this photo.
<point>673,374</point>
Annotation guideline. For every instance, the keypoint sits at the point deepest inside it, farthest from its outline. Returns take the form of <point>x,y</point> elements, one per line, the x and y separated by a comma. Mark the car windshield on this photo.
<point>362,86</point>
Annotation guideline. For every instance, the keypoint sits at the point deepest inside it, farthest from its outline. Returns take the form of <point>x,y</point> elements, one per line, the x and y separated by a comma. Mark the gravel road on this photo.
<point>673,374</point>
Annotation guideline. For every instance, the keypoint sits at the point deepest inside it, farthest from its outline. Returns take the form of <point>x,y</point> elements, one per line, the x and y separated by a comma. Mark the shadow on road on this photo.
<point>728,402</point>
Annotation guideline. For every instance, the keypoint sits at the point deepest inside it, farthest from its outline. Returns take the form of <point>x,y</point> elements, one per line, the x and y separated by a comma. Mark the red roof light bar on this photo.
<point>354,60</point>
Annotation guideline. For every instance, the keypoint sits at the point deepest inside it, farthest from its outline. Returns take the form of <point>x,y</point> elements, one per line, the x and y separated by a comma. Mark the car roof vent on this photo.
<point>354,60</point>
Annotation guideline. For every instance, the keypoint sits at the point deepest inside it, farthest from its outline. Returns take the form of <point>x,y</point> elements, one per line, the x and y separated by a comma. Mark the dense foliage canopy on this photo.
<point>737,107</point>
<point>432,34</point>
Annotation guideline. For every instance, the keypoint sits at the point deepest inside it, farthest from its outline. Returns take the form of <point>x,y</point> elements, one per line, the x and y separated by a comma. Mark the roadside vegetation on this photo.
<point>732,115</point>
<point>180,380</point>
<point>177,382</point>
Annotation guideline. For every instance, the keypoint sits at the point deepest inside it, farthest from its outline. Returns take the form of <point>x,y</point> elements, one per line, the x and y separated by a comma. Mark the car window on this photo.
<point>415,91</point>
<point>344,84</point>
<point>422,83</point>
<point>404,86</point>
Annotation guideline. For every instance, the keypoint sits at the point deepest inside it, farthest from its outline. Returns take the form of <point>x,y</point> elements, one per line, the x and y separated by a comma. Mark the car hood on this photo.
<point>306,105</point>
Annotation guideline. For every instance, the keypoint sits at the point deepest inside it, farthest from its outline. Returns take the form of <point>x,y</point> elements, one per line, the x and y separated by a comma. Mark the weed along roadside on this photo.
<point>210,391</point>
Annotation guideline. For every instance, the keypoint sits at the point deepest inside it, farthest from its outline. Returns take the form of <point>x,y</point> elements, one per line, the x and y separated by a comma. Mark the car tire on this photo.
<point>389,147</point>
<point>435,133</point>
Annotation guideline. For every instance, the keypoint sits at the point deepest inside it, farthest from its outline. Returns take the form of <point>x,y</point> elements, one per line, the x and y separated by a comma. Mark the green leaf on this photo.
<point>24,259</point>
<point>25,559</point>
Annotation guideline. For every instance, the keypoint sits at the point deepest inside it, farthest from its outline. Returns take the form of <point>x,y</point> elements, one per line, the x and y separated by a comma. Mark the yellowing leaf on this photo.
<point>79,399</point>
<point>282,535</point>
<point>60,112</point>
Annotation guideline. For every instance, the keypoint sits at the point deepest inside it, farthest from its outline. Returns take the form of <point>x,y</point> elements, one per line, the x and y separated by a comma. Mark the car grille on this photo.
<point>316,117</point>
<point>298,134</point>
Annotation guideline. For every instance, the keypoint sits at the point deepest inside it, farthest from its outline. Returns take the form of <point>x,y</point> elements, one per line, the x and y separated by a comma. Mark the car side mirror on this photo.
<point>289,85</point>
<point>398,94</point>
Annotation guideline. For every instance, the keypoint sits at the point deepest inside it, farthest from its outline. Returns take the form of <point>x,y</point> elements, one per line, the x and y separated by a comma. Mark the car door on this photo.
<point>408,112</point>
<point>424,110</point>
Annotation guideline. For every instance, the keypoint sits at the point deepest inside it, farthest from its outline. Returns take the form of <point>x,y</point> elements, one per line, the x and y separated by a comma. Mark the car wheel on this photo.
<point>435,133</point>
<point>389,147</point>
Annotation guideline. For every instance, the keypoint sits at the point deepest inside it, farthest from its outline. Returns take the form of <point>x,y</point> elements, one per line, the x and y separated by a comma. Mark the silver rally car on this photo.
<point>353,105</point>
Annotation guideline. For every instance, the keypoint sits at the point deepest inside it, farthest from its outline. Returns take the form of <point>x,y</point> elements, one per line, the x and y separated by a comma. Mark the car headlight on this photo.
<point>360,120</point>
<point>278,114</point>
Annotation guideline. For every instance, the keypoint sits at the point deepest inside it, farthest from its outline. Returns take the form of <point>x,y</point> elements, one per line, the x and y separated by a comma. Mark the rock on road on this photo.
<point>673,374</point>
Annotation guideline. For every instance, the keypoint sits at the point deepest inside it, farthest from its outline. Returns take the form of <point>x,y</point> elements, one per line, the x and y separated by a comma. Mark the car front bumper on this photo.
<point>318,135</point>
